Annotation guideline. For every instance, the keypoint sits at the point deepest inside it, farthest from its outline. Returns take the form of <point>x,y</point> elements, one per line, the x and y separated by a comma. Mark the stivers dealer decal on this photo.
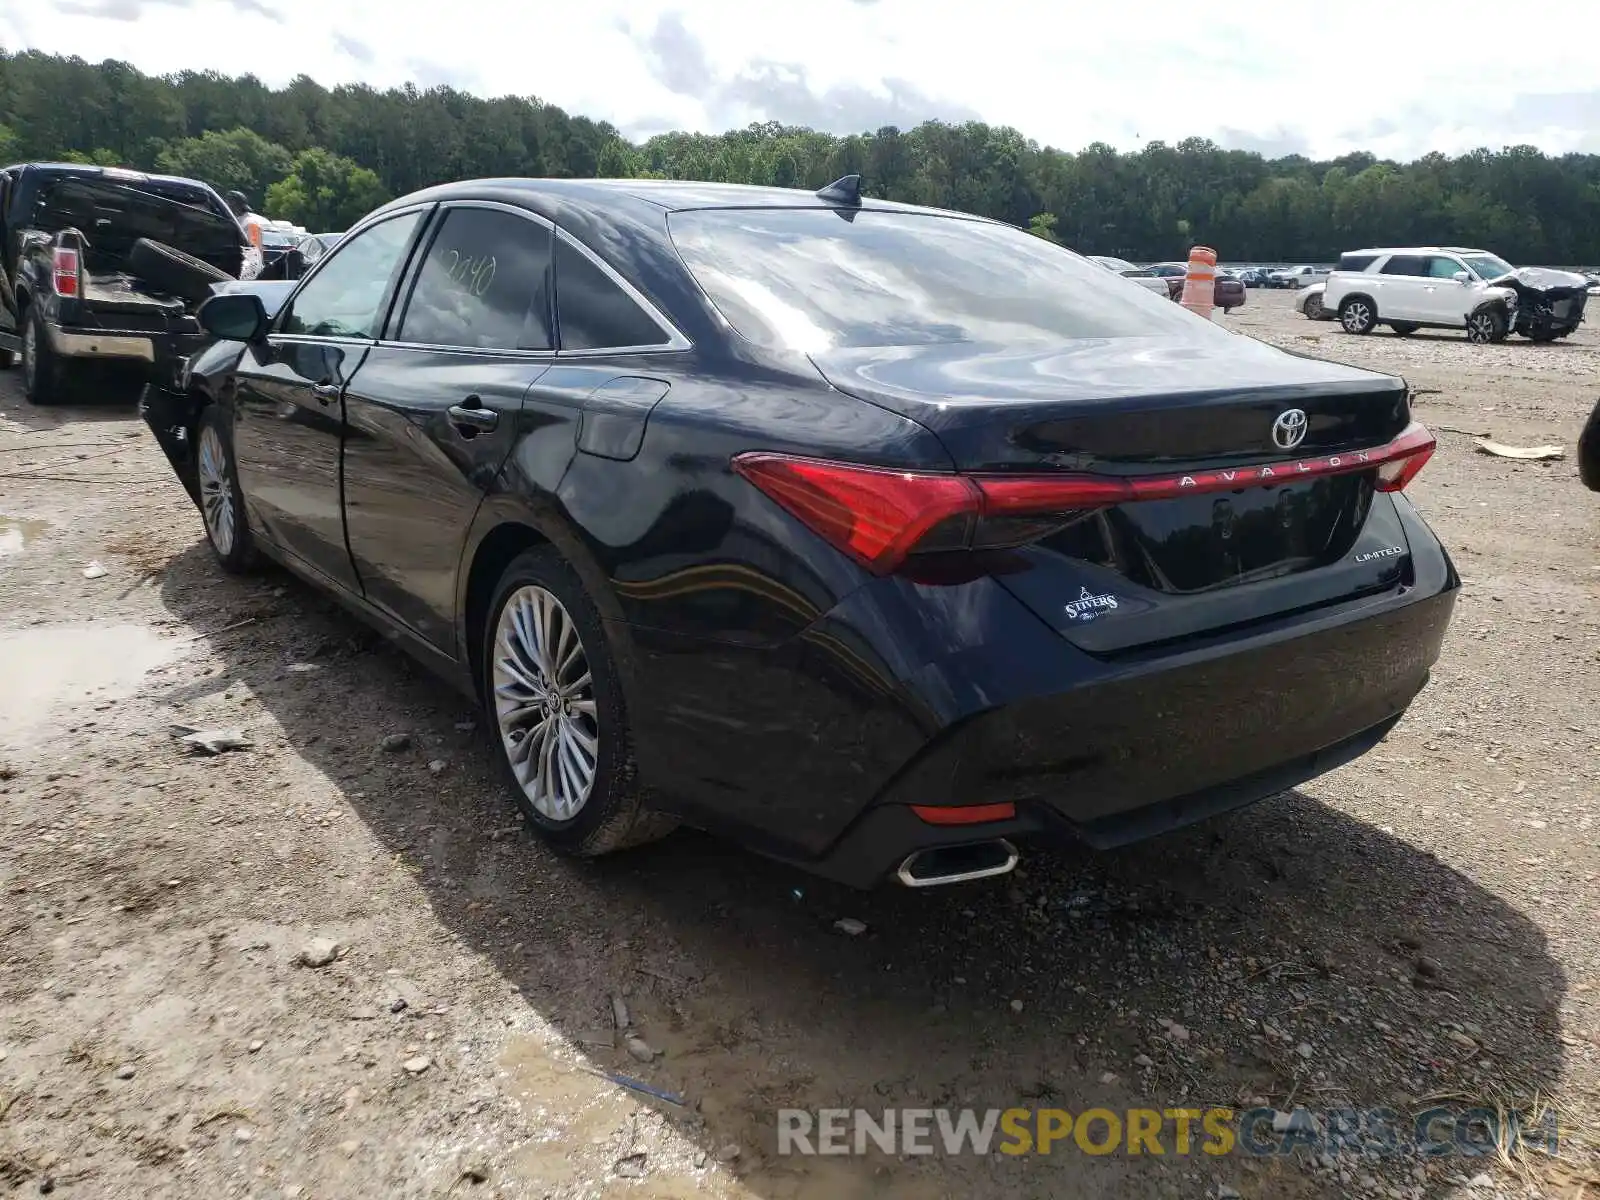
<point>1087,607</point>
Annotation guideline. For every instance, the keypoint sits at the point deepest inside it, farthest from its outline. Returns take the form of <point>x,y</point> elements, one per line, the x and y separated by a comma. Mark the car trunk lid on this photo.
<point>1261,502</point>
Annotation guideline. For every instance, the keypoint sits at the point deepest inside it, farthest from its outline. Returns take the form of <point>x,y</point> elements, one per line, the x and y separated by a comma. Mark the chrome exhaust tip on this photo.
<point>957,864</point>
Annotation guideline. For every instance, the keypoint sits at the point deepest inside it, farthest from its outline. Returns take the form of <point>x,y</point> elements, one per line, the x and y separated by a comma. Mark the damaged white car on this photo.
<point>1308,303</point>
<point>1453,287</point>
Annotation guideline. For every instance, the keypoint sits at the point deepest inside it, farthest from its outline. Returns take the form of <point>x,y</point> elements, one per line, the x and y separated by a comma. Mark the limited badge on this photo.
<point>1386,552</point>
<point>1088,606</point>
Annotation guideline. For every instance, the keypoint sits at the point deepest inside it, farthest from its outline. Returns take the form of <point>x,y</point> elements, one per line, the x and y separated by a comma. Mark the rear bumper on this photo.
<point>163,351</point>
<point>70,343</point>
<point>1120,760</point>
<point>903,694</point>
<point>888,833</point>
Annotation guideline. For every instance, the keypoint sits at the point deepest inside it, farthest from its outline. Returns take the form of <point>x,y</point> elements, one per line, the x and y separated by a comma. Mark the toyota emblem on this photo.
<point>1289,430</point>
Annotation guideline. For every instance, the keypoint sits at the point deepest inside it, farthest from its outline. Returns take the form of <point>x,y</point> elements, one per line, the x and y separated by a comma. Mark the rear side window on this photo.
<point>1405,264</point>
<point>809,279</point>
<point>1356,262</point>
<point>593,312</point>
<point>485,284</point>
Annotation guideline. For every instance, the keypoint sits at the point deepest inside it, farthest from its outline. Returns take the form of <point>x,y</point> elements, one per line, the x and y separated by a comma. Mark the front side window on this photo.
<point>485,284</point>
<point>593,312</point>
<point>1443,268</point>
<point>809,279</point>
<point>345,298</point>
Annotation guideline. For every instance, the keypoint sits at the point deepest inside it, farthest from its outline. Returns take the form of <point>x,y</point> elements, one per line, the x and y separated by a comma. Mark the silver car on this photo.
<point>1148,280</point>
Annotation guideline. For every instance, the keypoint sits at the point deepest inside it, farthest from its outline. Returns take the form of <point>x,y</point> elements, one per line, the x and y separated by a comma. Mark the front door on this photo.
<point>437,407</point>
<point>1448,300</point>
<point>289,408</point>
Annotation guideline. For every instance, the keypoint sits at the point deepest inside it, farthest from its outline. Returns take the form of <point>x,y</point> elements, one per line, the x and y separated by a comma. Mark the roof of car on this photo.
<point>671,195</point>
<point>122,173</point>
<point>1417,250</point>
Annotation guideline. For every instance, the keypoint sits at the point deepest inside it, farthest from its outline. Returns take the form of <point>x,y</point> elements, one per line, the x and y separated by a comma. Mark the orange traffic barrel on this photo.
<point>1200,284</point>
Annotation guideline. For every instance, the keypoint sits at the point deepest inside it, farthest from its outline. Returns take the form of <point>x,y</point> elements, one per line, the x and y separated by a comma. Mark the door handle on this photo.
<point>471,418</point>
<point>326,393</point>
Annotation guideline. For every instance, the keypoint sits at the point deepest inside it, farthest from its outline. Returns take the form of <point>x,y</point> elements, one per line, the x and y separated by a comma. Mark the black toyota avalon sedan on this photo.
<point>884,540</point>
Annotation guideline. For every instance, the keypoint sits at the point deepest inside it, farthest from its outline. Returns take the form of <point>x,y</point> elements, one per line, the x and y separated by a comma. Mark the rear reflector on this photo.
<point>880,516</point>
<point>964,814</point>
<point>65,269</point>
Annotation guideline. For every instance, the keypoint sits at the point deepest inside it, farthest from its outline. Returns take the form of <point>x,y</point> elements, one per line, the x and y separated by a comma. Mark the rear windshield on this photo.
<point>815,278</point>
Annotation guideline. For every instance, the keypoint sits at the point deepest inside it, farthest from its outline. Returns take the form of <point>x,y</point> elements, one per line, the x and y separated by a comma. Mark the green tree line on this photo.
<point>322,157</point>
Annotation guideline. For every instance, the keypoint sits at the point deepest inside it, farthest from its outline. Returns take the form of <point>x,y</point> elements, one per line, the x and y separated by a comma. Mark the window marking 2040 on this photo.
<point>471,274</point>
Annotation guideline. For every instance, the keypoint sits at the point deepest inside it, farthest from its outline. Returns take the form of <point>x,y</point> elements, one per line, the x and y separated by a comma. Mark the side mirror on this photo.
<point>1461,277</point>
<point>238,317</point>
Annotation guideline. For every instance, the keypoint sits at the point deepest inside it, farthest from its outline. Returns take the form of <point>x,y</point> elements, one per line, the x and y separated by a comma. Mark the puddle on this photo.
<point>51,669</point>
<point>17,532</point>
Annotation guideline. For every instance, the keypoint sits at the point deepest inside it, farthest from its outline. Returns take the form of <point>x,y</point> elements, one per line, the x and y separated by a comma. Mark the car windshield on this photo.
<point>1487,266</point>
<point>272,237</point>
<point>815,278</point>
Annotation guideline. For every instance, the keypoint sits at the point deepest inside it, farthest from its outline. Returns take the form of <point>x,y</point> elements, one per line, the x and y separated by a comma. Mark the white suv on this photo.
<point>1408,287</point>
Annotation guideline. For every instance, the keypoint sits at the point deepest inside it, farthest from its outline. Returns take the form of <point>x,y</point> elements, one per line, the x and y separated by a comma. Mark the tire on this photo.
<point>540,600</point>
<point>173,271</point>
<point>1403,328</point>
<point>1485,326</point>
<point>1589,452</point>
<point>220,500</point>
<point>1542,335</point>
<point>1313,310</point>
<point>45,374</point>
<point>9,359</point>
<point>1358,315</point>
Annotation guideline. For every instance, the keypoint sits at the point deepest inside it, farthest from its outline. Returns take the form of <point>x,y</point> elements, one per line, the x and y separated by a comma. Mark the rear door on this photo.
<point>289,401</point>
<point>437,406</point>
<point>1402,289</point>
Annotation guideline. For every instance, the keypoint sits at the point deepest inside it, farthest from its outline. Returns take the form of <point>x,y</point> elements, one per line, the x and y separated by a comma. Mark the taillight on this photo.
<point>873,514</point>
<point>880,516</point>
<point>1408,454</point>
<point>64,267</point>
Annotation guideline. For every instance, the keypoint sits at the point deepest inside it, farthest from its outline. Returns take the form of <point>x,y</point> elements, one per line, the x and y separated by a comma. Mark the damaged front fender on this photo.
<point>172,417</point>
<point>1550,303</point>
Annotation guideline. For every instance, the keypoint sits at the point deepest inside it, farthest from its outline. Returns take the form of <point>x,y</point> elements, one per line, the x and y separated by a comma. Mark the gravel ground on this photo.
<point>1418,924</point>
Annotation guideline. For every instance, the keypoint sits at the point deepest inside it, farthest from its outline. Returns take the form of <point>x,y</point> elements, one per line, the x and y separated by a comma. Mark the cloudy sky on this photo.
<point>1277,76</point>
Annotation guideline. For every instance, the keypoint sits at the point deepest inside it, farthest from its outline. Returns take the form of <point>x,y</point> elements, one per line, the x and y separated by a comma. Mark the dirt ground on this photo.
<point>1419,924</point>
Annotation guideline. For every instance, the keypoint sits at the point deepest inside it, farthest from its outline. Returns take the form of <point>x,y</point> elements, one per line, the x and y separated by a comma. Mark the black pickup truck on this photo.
<point>105,264</point>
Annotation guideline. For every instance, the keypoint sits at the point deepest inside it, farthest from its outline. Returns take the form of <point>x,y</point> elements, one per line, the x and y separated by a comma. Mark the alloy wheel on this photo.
<point>1357,317</point>
<point>544,703</point>
<point>1314,308</point>
<point>216,492</point>
<point>1481,328</point>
